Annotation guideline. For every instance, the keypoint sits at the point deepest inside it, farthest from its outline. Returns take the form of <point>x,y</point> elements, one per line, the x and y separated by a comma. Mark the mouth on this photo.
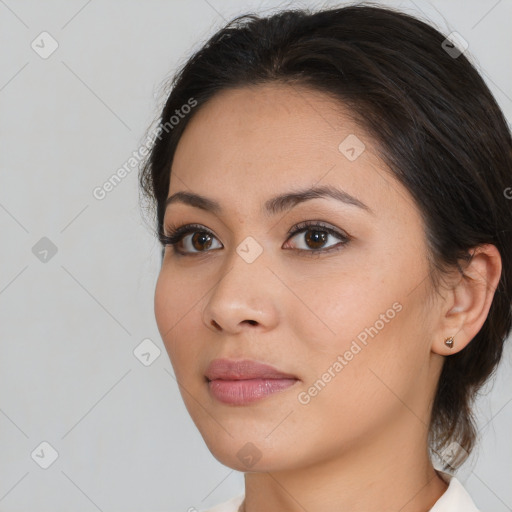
<point>245,381</point>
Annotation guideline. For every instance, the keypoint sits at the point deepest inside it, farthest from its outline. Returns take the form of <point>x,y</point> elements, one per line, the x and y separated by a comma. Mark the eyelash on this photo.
<point>176,235</point>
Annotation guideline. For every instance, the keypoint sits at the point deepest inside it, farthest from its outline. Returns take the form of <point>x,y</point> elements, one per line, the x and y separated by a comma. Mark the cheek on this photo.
<point>164,303</point>
<point>353,389</point>
<point>358,341</point>
<point>177,314</point>
<point>338,309</point>
<point>170,312</point>
<point>174,299</point>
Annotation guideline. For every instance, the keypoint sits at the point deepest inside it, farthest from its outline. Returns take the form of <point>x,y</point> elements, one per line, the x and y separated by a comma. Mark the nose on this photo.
<point>243,297</point>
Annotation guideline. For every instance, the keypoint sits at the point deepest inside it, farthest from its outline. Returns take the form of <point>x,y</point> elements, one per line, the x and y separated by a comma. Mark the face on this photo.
<point>338,304</point>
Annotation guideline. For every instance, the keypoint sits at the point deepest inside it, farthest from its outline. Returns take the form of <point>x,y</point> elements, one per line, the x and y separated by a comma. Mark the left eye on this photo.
<point>316,236</point>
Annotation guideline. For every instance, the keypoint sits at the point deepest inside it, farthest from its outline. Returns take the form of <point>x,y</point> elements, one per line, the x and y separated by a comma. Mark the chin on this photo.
<point>249,453</point>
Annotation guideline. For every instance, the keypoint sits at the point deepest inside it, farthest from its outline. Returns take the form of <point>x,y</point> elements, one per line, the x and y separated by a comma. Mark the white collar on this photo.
<point>455,498</point>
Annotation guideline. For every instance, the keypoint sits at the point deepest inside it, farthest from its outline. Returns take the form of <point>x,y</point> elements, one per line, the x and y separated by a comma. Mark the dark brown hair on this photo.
<point>435,123</point>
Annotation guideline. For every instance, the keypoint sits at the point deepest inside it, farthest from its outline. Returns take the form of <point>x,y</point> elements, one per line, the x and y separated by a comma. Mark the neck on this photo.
<point>391,473</point>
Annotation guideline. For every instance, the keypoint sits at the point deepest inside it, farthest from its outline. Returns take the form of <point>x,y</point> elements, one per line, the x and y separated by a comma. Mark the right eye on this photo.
<point>200,241</point>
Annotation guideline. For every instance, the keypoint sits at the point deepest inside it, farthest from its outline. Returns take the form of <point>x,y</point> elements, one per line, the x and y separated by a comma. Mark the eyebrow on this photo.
<point>276,204</point>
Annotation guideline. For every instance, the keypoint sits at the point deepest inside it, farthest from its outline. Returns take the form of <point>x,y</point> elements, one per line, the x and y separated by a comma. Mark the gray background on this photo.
<point>69,325</point>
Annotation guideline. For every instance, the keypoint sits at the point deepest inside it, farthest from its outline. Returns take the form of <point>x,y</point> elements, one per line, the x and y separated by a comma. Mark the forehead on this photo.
<point>270,121</point>
<point>248,144</point>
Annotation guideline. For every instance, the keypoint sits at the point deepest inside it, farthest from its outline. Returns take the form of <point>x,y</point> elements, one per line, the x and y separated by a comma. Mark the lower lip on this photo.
<point>240,392</point>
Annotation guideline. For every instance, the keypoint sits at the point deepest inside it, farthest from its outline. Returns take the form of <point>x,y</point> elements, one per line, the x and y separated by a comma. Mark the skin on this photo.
<point>360,444</point>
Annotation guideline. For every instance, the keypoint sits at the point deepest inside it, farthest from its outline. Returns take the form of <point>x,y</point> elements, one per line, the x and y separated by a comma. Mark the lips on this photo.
<point>229,369</point>
<point>243,382</point>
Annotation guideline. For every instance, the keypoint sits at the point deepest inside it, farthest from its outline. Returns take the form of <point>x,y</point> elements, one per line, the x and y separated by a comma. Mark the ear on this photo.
<point>468,300</point>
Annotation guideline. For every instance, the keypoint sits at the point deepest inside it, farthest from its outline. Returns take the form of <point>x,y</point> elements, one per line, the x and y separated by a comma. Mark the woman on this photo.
<point>336,281</point>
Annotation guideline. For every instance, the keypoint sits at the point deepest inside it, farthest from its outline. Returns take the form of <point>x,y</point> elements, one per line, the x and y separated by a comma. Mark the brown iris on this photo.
<point>319,238</point>
<point>202,238</point>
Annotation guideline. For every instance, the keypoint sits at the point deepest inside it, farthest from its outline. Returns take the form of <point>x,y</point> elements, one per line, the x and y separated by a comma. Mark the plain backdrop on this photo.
<point>77,273</point>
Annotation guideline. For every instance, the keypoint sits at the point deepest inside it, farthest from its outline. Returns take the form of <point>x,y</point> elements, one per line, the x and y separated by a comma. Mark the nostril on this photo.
<point>252,322</point>
<point>216,325</point>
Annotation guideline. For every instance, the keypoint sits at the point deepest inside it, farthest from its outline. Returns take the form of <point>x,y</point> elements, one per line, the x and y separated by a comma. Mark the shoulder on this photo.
<point>455,498</point>
<point>230,505</point>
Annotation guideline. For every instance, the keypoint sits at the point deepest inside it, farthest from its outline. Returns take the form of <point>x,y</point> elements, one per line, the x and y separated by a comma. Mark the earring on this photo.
<point>449,342</point>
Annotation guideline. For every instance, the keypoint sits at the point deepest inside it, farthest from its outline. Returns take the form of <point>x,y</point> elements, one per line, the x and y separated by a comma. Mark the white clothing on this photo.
<point>454,499</point>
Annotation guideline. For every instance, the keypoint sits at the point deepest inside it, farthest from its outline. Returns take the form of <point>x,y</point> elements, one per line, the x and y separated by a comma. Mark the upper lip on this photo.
<point>230,369</point>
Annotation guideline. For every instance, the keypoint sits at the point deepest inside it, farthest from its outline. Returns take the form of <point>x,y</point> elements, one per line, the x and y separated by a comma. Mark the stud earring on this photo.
<point>449,342</point>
